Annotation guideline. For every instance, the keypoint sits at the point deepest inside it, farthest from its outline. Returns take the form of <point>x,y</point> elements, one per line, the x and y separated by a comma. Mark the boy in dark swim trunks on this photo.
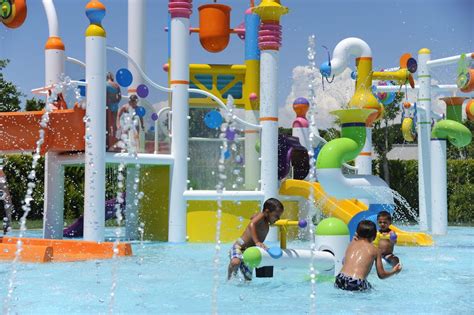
<point>359,259</point>
<point>254,235</point>
<point>386,238</point>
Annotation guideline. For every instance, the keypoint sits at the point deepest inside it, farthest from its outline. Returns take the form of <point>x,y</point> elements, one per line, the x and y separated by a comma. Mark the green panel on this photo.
<point>155,184</point>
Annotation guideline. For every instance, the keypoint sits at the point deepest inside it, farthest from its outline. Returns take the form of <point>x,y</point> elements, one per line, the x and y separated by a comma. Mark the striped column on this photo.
<point>94,191</point>
<point>269,42</point>
<point>252,105</point>
<point>424,136</point>
<point>180,12</point>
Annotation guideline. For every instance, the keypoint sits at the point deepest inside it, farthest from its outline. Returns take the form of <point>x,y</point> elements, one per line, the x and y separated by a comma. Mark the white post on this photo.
<point>136,50</point>
<point>424,136</point>
<point>53,220</point>
<point>131,210</point>
<point>363,161</point>
<point>269,122</point>
<point>179,81</point>
<point>94,190</point>
<point>55,60</point>
<point>439,202</point>
<point>136,39</point>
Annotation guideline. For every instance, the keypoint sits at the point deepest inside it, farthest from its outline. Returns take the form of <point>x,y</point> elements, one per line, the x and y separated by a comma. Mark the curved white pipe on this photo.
<point>53,24</point>
<point>437,116</point>
<point>162,88</point>
<point>299,258</point>
<point>349,47</point>
<point>76,61</point>
<point>343,186</point>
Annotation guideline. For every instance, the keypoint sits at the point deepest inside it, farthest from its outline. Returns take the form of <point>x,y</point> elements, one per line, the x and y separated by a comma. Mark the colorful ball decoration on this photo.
<point>384,97</point>
<point>470,110</point>
<point>301,106</point>
<point>302,223</point>
<point>213,119</point>
<point>154,116</point>
<point>140,111</point>
<point>124,77</point>
<point>230,134</point>
<point>82,88</point>
<point>142,90</point>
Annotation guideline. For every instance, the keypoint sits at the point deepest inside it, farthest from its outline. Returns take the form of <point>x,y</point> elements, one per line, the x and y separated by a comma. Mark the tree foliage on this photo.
<point>9,93</point>
<point>34,104</point>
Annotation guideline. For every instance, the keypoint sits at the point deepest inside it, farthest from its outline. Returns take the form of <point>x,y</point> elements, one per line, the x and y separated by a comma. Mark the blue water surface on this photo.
<point>163,278</point>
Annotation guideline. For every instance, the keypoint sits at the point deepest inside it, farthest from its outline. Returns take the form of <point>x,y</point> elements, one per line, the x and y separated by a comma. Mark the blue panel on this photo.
<point>252,25</point>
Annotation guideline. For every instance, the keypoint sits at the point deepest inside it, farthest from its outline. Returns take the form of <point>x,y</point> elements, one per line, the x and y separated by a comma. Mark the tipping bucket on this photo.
<point>466,82</point>
<point>214,26</point>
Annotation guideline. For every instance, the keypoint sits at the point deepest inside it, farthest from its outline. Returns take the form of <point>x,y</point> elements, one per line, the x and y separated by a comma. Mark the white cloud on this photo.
<point>333,96</point>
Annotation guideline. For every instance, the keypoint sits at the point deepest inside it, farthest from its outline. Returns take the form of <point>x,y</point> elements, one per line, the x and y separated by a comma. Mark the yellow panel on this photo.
<point>153,210</point>
<point>215,70</point>
<point>201,219</point>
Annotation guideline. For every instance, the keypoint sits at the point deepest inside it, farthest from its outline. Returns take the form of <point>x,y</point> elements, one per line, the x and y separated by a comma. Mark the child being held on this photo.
<point>254,235</point>
<point>359,258</point>
<point>386,238</point>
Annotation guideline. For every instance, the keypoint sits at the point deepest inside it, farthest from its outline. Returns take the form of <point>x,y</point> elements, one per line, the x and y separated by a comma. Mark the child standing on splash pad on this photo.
<point>359,259</point>
<point>386,238</point>
<point>254,235</point>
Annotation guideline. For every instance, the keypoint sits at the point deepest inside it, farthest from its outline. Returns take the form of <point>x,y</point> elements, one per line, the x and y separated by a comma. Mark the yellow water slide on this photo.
<point>345,209</point>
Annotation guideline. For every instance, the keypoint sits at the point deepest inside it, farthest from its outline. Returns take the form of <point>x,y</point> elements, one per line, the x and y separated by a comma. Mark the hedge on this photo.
<point>403,179</point>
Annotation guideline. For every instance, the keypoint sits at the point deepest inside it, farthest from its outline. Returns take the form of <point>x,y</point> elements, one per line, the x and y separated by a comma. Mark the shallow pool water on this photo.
<point>163,278</point>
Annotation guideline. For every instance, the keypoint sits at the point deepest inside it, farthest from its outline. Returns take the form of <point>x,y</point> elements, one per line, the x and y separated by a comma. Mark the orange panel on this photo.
<point>65,131</point>
<point>73,250</point>
<point>32,254</point>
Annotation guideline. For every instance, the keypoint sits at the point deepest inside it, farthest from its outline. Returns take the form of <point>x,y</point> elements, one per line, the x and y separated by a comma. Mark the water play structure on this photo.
<point>274,166</point>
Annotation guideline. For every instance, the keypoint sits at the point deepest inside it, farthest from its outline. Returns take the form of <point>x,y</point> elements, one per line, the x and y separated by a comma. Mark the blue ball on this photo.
<point>354,75</point>
<point>213,119</point>
<point>124,77</point>
<point>140,111</point>
<point>82,89</point>
<point>325,69</point>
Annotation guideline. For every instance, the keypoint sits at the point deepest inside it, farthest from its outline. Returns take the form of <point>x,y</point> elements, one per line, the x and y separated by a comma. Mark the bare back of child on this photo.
<point>359,259</point>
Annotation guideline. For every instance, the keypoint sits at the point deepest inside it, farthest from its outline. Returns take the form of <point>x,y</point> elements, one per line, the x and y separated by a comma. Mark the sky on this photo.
<point>390,27</point>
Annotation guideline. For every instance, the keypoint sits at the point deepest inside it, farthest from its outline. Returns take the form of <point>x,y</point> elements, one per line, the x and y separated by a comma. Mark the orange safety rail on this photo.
<point>19,131</point>
<point>31,254</point>
<point>62,250</point>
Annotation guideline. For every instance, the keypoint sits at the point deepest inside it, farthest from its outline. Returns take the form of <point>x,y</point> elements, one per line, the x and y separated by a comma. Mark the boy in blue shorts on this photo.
<point>254,235</point>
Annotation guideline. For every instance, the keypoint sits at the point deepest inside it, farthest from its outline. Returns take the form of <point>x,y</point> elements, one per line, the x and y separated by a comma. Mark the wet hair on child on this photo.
<point>273,204</point>
<point>366,229</point>
<point>384,214</point>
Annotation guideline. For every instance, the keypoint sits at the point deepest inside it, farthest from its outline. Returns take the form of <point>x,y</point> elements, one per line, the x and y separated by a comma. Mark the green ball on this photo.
<point>332,226</point>
<point>257,146</point>
<point>252,257</point>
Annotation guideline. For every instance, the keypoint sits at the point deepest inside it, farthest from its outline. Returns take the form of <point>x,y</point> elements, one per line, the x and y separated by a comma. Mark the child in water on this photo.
<point>359,259</point>
<point>254,235</point>
<point>386,238</point>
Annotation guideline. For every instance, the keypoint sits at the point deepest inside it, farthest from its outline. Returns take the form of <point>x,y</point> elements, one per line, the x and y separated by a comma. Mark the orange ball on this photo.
<point>470,110</point>
<point>406,104</point>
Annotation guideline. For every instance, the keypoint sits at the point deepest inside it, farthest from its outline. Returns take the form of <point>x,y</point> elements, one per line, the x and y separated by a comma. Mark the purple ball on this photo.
<point>230,134</point>
<point>142,90</point>
<point>154,116</point>
<point>302,223</point>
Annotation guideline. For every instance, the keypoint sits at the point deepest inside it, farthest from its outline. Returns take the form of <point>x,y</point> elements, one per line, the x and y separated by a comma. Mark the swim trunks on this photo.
<point>345,282</point>
<point>236,252</point>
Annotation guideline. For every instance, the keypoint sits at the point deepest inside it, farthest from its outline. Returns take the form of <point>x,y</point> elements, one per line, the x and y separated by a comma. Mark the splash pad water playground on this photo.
<point>157,202</point>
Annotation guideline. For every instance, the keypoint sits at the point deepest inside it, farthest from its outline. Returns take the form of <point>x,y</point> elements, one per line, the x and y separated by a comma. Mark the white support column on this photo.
<point>136,39</point>
<point>439,197</point>
<point>269,122</point>
<point>53,219</point>
<point>252,162</point>
<point>363,161</point>
<point>424,136</point>
<point>94,190</point>
<point>131,210</point>
<point>179,80</point>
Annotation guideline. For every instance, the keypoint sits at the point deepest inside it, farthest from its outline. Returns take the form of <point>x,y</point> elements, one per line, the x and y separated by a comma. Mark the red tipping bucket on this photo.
<point>214,26</point>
